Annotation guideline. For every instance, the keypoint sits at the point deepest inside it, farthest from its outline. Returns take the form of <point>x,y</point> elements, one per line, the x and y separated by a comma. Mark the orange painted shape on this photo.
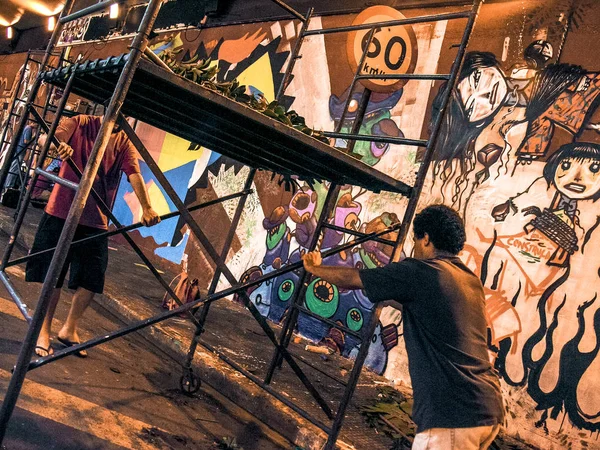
<point>393,50</point>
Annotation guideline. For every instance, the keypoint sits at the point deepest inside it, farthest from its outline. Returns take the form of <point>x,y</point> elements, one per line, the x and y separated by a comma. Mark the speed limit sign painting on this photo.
<point>393,50</point>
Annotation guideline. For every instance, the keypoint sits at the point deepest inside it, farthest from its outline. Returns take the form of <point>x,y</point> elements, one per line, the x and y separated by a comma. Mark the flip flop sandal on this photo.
<point>48,351</point>
<point>68,343</point>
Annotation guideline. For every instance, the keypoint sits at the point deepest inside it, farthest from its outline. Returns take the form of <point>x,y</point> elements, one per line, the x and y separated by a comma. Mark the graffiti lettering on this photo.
<point>533,249</point>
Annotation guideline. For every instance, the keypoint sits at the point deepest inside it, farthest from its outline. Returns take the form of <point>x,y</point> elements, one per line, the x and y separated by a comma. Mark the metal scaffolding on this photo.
<point>210,119</point>
<point>18,105</point>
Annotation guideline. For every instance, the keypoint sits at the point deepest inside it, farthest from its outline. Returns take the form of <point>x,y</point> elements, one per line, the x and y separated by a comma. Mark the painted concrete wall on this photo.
<point>507,162</point>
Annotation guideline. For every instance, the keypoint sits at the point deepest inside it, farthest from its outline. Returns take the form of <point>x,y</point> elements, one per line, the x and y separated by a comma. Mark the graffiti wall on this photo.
<point>518,156</point>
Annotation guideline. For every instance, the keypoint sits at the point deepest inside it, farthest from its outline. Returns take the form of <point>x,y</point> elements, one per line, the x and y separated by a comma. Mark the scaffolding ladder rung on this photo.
<point>377,138</point>
<point>63,182</point>
<point>392,23</point>
<point>405,76</point>
<point>20,100</point>
<point>13,293</point>
<point>357,233</point>
<point>101,6</point>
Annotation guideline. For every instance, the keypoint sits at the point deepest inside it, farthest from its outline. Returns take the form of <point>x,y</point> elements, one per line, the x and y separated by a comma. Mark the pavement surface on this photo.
<point>125,395</point>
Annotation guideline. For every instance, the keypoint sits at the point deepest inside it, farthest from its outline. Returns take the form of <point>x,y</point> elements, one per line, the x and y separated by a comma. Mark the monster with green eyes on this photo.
<point>377,121</point>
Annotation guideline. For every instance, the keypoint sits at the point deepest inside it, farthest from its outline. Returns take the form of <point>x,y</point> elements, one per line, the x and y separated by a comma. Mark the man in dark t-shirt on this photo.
<point>457,397</point>
<point>87,262</point>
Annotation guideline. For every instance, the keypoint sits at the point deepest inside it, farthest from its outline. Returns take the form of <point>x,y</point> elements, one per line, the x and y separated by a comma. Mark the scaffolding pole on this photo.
<point>139,43</point>
<point>32,96</point>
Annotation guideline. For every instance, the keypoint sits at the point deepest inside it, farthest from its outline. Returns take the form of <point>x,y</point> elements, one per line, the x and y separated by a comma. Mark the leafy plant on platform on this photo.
<point>204,72</point>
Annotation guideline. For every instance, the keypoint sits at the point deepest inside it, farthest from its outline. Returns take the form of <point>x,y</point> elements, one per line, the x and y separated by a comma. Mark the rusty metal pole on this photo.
<point>20,371</point>
<point>10,153</point>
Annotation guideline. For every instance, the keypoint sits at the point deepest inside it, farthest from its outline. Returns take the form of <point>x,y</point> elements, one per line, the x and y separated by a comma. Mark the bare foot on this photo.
<point>70,339</point>
<point>43,347</point>
<point>65,335</point>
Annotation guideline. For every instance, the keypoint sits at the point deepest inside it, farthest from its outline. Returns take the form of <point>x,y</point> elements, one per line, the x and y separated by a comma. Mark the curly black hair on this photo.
<point>444,226</point>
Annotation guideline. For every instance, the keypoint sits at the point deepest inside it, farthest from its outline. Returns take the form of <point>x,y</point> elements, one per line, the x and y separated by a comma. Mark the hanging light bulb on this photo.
<point>9,32</point>
<point>113,12</point>
<point>51,23</point>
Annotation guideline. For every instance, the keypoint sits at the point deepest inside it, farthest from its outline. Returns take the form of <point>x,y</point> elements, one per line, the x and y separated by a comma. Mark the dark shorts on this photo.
<point>87,261</point>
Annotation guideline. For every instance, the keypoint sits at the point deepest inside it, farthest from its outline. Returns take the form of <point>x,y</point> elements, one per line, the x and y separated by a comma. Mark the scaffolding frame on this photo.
<point>12,119</point>
<point>189,381</point>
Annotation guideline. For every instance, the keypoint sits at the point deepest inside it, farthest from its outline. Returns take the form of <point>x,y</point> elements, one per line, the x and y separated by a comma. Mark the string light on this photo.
<point>51,23</point>
<point>114,11</point>
<point>9,32</point>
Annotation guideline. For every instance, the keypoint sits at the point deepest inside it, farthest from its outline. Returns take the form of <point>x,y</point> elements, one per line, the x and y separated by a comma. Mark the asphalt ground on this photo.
<point>124,395</point>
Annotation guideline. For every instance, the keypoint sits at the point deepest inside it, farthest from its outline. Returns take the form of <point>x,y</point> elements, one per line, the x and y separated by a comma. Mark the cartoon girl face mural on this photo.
<point>576,169</point>
<point>481,91</point>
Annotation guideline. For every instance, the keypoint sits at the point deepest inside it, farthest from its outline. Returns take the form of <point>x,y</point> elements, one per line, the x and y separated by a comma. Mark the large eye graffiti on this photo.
<point>354,319</point>
<point>286,290</point>
<point>322,298</point>
<point>274,235</point>
<point>594,167</point>
<point>379,148</point>
<point>353,106</point>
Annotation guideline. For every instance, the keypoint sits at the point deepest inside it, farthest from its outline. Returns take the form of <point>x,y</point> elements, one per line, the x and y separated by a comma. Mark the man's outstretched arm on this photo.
<point>344,277</point>
<point>149,216</point>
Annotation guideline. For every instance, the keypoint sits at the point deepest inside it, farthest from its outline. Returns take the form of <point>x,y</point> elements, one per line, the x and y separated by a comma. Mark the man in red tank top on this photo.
<point>88,261</point>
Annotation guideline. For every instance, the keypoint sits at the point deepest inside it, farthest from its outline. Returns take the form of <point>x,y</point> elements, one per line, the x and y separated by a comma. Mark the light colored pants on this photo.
<point>476,438</point>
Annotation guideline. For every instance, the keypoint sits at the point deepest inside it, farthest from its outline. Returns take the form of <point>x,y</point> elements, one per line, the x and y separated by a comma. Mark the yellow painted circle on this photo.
<point>393,50</point>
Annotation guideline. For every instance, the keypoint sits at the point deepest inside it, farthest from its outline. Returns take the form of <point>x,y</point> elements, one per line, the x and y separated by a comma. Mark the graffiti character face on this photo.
<point>482,93</point>
<point>302,205</point>
<point>377,121</point>
<point>578,178</point>
<point>379,124</point>
<point>347,211</point>
<point>274,235</point>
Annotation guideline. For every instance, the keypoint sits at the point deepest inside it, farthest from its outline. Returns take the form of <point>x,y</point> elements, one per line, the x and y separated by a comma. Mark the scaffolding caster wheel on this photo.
<point>189,383</point>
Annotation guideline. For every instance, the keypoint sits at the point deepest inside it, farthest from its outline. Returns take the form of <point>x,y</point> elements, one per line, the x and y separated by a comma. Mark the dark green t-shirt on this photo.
<point>454,384</point>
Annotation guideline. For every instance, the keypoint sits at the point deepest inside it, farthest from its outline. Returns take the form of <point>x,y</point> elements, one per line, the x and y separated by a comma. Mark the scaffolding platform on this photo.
<point>193,112</point>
